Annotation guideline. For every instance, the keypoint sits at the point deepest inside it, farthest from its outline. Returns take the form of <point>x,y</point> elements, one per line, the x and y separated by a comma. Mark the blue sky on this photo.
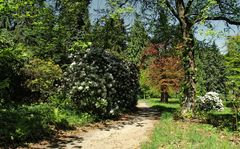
<point>220,34</point>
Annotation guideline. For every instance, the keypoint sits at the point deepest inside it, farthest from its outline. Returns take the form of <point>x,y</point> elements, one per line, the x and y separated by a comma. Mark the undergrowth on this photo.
<point>30,123</point>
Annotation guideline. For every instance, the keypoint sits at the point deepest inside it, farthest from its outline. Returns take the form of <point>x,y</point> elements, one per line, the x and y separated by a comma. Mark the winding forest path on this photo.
<point>126,133</point>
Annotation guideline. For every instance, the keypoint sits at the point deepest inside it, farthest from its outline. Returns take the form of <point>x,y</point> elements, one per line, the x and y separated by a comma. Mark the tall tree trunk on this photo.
<point>188,101</point>
<point>166,97</point>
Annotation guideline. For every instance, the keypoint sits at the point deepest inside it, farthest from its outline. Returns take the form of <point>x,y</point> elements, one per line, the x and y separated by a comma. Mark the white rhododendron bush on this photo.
<point>101,83</point>
<point>210,101</point>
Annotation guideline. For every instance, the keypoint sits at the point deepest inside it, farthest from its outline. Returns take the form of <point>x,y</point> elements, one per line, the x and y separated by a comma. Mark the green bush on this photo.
<point>41,76</point>
<point>101,83</point>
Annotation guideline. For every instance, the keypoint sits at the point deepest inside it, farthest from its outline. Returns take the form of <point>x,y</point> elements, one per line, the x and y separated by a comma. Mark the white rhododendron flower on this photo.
<point>80,88</point>
<point>211,101</point>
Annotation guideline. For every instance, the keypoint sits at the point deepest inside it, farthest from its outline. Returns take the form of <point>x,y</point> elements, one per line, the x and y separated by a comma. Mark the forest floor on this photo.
<point>128,132</point>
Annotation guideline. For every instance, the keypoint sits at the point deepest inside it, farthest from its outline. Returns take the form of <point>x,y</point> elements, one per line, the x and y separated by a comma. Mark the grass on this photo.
<point>172,104</point>
<point>171,134</point>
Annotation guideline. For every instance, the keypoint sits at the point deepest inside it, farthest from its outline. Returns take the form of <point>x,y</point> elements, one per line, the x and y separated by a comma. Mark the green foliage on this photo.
<point>211,74</point>
<point>100,83</point>
<point>5,56</point>
<point>200,75</point>
<point>11,60</point>
<point>233,75</point>
<point>79,46</point>
<point>116,8</point>
<point>23,123</point>
<point>159,24</point>
<point>110,34</point>
<point>41,76</point>
<point>138,40</point>
<point>233,63</point>
<point>147,90</point>
<point>74,17</point>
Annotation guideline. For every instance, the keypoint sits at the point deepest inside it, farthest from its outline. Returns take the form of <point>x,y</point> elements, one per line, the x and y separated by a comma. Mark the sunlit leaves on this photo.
<point>117,10</point>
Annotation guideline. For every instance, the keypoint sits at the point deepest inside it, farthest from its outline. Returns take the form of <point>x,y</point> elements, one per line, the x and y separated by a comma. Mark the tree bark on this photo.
<point>188,101</point>
<point>164,96</point>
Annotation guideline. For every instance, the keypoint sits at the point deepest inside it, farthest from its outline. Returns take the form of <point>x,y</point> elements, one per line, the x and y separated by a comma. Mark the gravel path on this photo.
<point>127,133</point>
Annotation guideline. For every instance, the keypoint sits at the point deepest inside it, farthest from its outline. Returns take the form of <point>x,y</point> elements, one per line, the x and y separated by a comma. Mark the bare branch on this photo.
<point>124,3</point>
<point>227,5</point>
<point>172,9</point>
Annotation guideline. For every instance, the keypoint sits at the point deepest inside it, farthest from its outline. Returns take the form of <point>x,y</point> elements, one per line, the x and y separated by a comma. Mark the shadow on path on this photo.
<point>63,141</point>
<point>143,113</point>
<point>113,131</point>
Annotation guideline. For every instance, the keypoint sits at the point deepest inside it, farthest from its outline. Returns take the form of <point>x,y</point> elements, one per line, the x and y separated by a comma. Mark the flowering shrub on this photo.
<point>210,101</point>
<point>100,83</point>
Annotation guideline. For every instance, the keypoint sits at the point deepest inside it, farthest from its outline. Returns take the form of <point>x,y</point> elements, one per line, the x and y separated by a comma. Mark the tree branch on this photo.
<point>220,18</point>
<point>189,4</point>
<point>172,9</point>
<point>124,3</point>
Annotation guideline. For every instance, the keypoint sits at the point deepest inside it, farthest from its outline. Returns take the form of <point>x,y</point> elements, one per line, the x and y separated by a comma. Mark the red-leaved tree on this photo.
<point>165,69</point>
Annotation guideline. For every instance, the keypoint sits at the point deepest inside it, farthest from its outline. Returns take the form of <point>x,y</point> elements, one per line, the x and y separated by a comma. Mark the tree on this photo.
<point>159,26</point>
<point>211,74</point>
<point>31,24</point>
<point>138,40</point>
<point>165,70</point>
<point>110,31</point>
<point>188,14</point>
<point>72,24</point>
<point>73,14</point>
<point>233,74</point>
<point>8,63</point>
<point>110,34</point>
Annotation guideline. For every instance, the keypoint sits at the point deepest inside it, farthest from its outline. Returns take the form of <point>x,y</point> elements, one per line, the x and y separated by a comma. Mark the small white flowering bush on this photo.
<point>210,101</point>
<point>99,82</point>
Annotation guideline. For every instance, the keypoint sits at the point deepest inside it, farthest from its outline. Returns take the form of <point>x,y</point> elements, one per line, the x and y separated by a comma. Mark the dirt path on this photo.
<point>126,133</point>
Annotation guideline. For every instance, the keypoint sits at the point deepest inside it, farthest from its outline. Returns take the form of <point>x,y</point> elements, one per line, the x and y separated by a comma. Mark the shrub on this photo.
<point>210,101</point>
<point>41,76</point>
<point>101,83</point>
